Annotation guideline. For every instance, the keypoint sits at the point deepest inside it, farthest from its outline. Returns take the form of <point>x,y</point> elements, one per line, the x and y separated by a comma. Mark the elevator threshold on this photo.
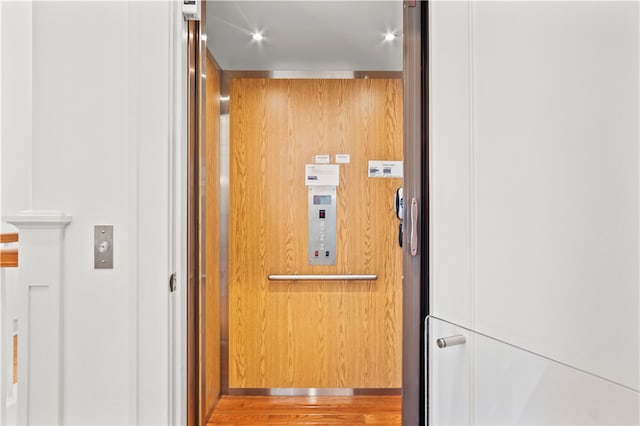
<point>314,391</point>
<point>307,410</point>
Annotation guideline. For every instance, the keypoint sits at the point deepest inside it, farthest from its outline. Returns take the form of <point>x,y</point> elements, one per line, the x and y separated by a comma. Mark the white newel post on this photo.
<point>40,281</point>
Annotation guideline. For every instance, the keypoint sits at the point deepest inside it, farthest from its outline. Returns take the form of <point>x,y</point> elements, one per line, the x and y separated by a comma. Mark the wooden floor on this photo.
<point>319,410</point>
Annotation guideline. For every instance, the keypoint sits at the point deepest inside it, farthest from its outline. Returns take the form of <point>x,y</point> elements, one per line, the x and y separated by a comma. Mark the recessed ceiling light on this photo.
<point>257,36</point>
<point>390,36</point>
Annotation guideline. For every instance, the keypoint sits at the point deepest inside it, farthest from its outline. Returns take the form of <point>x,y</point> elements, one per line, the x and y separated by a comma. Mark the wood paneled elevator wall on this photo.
<point>315,334</point>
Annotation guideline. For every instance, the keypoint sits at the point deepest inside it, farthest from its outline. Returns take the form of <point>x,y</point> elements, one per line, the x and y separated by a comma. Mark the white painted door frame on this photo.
<point>178,221</point>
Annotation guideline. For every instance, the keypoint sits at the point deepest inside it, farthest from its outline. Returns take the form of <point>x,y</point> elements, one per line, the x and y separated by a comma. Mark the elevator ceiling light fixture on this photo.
<point>389,36</point>
<point>257,36</point>
<point>305,35</point>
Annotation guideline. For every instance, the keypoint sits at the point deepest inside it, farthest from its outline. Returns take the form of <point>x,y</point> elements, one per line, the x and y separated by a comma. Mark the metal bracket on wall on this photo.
<point>103,247</point>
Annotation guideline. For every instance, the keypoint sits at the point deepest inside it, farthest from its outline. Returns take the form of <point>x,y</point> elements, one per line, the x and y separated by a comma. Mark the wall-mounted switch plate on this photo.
<point>103,247</point>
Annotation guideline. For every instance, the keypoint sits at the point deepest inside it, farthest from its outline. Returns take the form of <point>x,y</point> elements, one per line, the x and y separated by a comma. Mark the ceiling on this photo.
<point>305,35</point>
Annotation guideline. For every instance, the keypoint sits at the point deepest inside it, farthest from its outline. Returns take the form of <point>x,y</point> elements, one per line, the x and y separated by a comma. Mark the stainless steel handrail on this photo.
<point>322,277</point>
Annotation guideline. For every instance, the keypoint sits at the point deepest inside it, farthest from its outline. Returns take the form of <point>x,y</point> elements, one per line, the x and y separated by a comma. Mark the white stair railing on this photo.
<point>40,281</point>
<point>8,325</point>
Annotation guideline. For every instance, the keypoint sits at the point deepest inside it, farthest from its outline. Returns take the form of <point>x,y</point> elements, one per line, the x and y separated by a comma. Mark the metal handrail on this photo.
<point>322,277</point>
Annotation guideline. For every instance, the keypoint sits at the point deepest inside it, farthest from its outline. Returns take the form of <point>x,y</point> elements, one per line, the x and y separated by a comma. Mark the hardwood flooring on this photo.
<point>317,410</point>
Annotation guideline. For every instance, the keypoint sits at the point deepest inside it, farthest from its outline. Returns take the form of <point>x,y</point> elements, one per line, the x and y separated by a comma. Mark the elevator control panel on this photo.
<point>322,225</point>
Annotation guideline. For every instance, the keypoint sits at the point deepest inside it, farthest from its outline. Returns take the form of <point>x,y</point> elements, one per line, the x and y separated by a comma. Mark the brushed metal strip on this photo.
<point>322,277</point>
<point>224,241</point>
<point>314,391</point>
<point>312,74</point>
<point>201,79</point>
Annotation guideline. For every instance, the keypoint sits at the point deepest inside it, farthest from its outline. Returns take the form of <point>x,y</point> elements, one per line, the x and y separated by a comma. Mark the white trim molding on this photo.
<point>40,281</point>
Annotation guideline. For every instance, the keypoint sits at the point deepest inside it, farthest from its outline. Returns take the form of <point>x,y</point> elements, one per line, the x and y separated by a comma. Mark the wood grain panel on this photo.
<point>8,258</point>
<point>211,329</point>
<point>313,334</point>
<point>11,237</point>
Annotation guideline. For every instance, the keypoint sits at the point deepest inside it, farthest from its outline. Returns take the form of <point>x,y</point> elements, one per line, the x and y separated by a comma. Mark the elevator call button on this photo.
<point>322,214</point>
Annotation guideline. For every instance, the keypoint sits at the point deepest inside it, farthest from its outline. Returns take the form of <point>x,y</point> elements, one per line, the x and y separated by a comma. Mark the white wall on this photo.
<point>15,131</point>
<point>100,152</point>
<point>535,177</point>
<point>15,162</point>
<point>81,154</point>
<point>152,121</point>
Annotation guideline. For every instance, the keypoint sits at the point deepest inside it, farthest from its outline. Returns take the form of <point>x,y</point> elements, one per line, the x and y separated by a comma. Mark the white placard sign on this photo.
<point>322,159</point>
<point>343,158</point>
<point>321,174</point>
<point>385,169</point>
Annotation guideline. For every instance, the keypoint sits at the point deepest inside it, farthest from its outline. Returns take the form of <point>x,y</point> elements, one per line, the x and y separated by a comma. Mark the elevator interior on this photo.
<point>304,113</point>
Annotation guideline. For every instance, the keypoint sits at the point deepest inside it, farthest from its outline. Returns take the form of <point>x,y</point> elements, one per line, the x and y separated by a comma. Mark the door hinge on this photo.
<point>173,280</point>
